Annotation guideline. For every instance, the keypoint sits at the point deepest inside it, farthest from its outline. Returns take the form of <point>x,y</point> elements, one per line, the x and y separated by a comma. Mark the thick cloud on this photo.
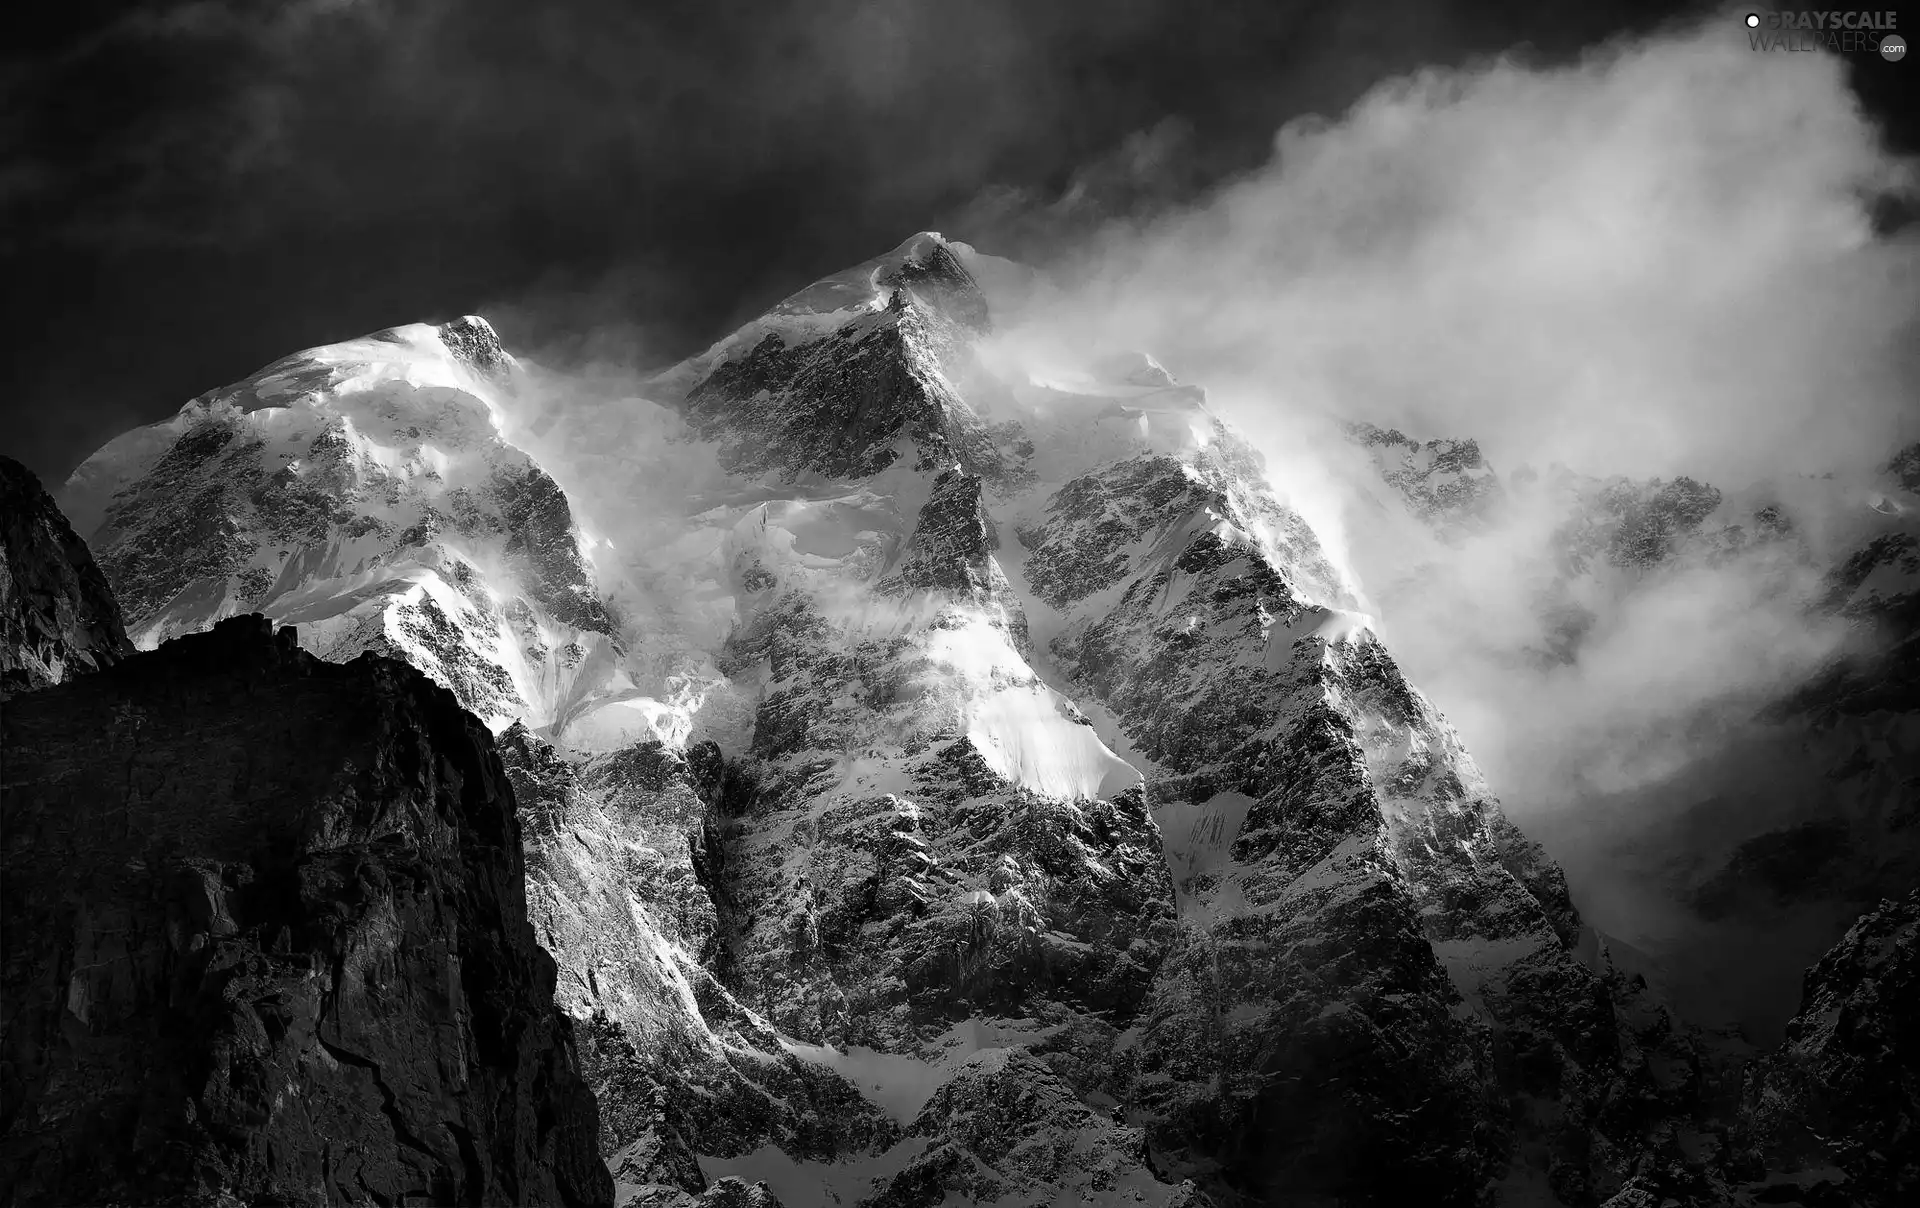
<point>1659,260</point>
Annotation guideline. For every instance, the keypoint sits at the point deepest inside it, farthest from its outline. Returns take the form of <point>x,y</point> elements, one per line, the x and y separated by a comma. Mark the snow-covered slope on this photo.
<point>998,624</point>
<point>363,492</point>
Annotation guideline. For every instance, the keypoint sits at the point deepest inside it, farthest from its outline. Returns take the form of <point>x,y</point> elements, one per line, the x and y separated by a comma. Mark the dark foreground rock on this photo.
<point>266,942</point>
<point>57,614</point>
<point>1836,1109</point>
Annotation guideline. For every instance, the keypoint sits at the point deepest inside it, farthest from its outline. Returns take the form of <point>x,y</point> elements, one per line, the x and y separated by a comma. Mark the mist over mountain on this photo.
<point>1382,672</point>
<point>1610,281</point>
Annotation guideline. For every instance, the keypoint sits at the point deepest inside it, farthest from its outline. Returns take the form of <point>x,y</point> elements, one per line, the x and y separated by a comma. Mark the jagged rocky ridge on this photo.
<point>1838,1098</point>
<point>1085,845</point>
<point>265,929</point>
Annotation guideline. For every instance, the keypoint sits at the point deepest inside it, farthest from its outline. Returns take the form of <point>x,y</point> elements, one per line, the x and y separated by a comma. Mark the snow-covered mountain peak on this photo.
<point>1041,727</point>
<point>925,281</point>
<point>842,379</point>
<point>473,340</point>
<point>870,283</point>
<point>418,382</point>
<point>919,247</point>
<point>464,355</point>
<point>363,492</point>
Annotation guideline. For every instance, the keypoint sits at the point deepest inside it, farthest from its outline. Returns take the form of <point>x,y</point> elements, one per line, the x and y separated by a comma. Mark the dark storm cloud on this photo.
<point>194,189</point>
<point>215,122</point>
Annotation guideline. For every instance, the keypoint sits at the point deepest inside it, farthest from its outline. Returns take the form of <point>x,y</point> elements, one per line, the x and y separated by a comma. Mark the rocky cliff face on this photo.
<point>58,617</point>
<point>1834,1110</point>
<point>882,339</point>
<point>1365,938</point>
<point>1346,976</point>
<point>681,1068</point>
<point>266,929</point>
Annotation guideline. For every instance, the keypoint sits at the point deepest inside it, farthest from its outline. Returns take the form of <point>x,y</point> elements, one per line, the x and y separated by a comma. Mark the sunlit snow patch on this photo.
<point>1026,732</point>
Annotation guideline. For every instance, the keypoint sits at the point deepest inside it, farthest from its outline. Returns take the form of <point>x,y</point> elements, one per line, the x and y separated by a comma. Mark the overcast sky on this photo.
<point>189,190</point>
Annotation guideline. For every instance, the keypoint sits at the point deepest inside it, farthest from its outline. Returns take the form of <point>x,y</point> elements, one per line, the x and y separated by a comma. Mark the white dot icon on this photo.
<point>1753,19</point>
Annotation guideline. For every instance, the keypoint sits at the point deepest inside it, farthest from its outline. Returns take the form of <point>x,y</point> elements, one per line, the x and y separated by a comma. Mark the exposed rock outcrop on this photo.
<point>1446,483</point>
<point>838,401</point>
<point>1839,1102</point>
<point>265,928</point>
<point>681,1069</point>
<point>1006,1129</point>
<point>58,617</point>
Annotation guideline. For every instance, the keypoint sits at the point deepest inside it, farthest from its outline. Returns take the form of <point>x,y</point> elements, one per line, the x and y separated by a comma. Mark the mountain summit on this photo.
<point>364,492</point>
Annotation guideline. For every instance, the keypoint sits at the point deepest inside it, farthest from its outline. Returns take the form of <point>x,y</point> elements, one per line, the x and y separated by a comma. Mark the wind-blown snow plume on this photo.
<point>1658,261</point>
